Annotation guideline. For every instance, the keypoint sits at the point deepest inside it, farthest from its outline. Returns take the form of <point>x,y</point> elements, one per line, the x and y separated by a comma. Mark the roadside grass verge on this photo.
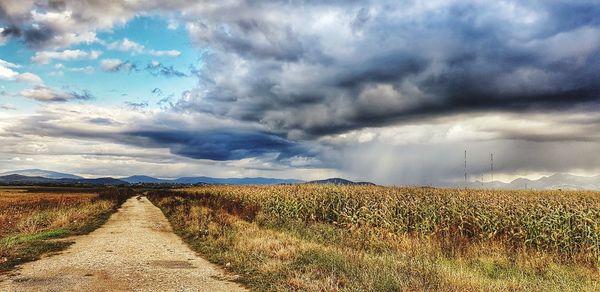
<point>30,222</point>
<point>303,238</point>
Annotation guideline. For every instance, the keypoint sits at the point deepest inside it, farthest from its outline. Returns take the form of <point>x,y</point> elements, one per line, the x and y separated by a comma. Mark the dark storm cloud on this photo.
<point>180,137</point>
<point>11,31</point>
<point>36,37</point>
<point>57,5</point>
<point>102,121</point>
<point>302,70</point>
<point>362,16</point>
<point>387,62</point>
<point>572,14</point>
<point>217,144</point>
<point>315,68</point>
<point>220,145</point>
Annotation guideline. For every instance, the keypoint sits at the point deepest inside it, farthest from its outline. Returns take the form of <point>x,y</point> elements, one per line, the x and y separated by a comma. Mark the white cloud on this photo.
<point>44,94</point>
<point>126,45</point>
<point>113,65</point>
<point>173,24</point>
<point>46,57</point>
<point>8,64</point>
<point>57,73</point>
<point>86,69</point>
<point>110,64</point>
<point>77,21</point>
<point>3,38</point>
<point>170,53</point>
<point>66,29</point>
<point>60,66</point>
<point>47,94</point>
<point>70,39</point>
<point>7,73</point>
<point>30,78</point>
<point>7,106</point>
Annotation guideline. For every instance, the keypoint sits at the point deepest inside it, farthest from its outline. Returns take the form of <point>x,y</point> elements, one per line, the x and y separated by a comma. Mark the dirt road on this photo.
<point>136,250</point>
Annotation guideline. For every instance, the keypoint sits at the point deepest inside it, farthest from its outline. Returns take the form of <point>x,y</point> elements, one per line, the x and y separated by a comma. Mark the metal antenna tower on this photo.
<point>465,166</point>
<point>492,165</point>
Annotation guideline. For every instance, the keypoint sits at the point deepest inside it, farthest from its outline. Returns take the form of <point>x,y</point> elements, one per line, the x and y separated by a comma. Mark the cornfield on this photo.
<point>564,223</point>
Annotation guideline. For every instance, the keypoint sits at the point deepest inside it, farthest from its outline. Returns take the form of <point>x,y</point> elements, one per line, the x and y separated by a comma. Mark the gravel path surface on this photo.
<point>136,250</point>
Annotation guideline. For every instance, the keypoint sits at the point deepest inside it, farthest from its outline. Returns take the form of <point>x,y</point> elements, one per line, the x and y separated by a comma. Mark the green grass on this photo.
<point>26,238</point>
<point>30,247</point>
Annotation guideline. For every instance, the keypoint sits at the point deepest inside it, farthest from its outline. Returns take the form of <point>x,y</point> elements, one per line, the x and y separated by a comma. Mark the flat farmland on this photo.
<point>303,237</point>
<point>32,218</point>
<point>316,237</point>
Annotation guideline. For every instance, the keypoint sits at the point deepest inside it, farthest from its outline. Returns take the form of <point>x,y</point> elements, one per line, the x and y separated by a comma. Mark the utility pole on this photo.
<point>492,165</point>
<point>465,167</point>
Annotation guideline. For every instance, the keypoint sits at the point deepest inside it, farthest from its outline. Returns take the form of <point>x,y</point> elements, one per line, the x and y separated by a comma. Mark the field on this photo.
<point>33,219</point>
<point>315,237</point>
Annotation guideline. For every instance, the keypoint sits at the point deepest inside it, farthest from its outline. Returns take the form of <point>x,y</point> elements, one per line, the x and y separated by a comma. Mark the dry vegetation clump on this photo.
<point>28,218</point>
<point>315,237</point>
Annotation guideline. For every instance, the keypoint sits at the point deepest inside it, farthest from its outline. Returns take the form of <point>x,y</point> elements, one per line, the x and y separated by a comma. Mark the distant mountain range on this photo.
<point>338,181</point>
<point>557,181</point>
<point>17,178</point>
<point>142,179</point>
<point>210,180</point>
<point>42,173</point>
<point>39,176</point>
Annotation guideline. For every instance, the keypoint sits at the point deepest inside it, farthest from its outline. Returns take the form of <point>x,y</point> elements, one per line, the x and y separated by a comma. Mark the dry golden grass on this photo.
<point>29,217</point>
<point>22,211</point>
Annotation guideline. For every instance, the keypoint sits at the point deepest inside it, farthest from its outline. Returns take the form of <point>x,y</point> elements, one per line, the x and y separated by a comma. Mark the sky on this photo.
<point>392,92</point>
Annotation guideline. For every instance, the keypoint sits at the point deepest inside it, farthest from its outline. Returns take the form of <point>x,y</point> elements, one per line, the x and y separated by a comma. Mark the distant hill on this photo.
<point>237,181</point>
<point>211,180</point>
<point>17,178</point>
<point>39,176</point>
<point>556,181</point>
<point>136,179</point>
<point>143,179</point>
<point>106,181</point>
<point>47,176</point>
<point>338,181</point>
<point>41,173</point>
